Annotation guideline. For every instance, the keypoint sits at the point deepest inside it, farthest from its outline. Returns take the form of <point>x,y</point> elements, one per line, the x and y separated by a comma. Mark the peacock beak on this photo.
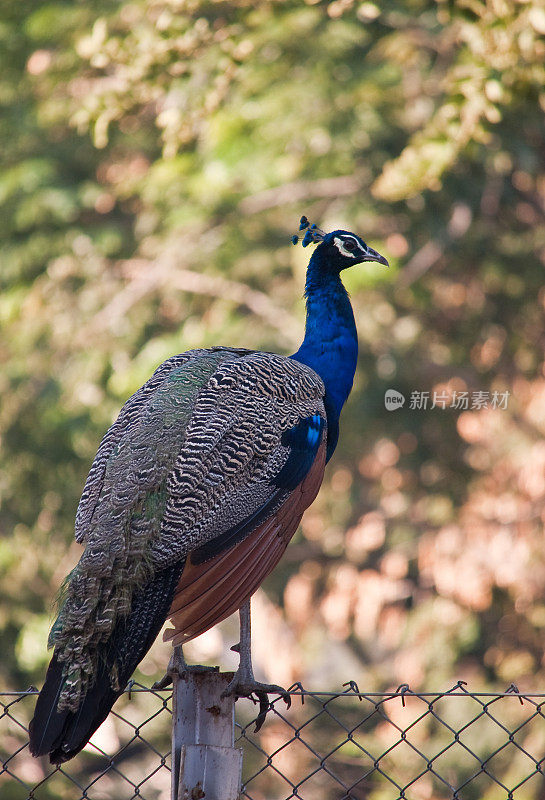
<point>372,255</point>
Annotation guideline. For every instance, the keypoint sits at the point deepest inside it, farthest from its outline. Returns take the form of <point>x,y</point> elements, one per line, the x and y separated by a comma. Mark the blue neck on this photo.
<point>330,346</point>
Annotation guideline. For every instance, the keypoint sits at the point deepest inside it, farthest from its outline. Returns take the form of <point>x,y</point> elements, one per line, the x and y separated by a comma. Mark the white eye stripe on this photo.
<point>339,244</point>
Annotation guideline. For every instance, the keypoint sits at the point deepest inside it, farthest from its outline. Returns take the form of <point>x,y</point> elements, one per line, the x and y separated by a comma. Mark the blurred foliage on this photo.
<point>156,158</point>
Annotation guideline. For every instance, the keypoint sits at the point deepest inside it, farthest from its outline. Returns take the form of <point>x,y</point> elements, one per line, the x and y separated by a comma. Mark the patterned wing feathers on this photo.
<point>233,448</point>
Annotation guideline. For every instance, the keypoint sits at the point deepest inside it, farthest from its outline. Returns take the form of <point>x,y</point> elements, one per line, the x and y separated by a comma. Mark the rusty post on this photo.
<point>205,762</point>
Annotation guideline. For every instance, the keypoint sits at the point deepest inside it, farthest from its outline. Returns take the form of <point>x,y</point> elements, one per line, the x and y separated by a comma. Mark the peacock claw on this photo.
<point>168,677</point>
<point>177,666</point>
<point>246,688</point>
<point>165,681</point>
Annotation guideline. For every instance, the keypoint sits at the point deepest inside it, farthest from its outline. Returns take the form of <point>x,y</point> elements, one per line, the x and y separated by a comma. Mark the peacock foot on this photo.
<point>178,667</point>
<point>242,686</point>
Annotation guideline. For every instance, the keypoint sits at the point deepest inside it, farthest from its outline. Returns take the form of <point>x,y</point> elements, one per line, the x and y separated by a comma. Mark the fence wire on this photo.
<point>346,745</point>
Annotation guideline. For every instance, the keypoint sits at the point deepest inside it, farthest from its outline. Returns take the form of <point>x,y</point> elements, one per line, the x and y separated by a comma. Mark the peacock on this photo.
<point>193,496</point>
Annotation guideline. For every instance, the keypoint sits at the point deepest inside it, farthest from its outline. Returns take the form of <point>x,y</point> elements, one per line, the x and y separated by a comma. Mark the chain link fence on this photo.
<point>347,745</point>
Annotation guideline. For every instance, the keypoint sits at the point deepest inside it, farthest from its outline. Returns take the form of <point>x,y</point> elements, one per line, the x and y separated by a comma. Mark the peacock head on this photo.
<point>342,249</point>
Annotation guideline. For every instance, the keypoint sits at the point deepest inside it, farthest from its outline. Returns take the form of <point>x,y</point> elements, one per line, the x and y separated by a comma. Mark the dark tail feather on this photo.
<point>62,734</point>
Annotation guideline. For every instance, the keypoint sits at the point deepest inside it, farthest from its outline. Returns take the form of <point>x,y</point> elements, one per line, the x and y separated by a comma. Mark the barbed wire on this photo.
<point>345,745</point>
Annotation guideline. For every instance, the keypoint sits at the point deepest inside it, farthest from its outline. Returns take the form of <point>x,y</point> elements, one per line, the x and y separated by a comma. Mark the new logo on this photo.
<point>393,400</point>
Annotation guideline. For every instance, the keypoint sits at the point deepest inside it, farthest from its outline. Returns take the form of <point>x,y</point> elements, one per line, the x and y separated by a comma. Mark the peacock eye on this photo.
<point>350,244</point>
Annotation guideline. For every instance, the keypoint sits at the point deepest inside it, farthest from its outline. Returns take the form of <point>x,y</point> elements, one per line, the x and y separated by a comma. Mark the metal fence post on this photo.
<point>205,762</point>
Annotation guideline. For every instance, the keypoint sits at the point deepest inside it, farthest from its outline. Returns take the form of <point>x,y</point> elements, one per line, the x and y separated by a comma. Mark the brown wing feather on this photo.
<point>208,593</point>
<point>217,600</point>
